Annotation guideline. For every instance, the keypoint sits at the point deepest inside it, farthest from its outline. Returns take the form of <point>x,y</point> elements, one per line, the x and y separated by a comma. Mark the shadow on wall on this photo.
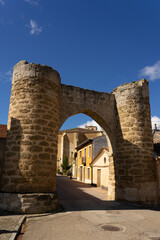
<point>11,172</point>
<point>27,165</point>
<point>12,176</point>
<point>135,169</point>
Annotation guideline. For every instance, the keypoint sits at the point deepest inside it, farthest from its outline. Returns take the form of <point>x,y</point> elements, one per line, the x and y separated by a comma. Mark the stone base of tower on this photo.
<point>28,202</point>
<point>145,194</point>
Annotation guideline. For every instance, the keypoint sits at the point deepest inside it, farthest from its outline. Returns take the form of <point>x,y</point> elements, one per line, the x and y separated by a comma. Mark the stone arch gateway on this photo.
<point>39,105</point>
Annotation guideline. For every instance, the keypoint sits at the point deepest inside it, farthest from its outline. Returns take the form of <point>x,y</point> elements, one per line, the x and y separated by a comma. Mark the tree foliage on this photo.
<point>65,165</point>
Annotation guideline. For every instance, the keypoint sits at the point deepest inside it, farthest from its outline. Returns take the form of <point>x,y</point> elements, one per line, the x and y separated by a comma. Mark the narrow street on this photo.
<point>77,196</point>
<point>88,215</point>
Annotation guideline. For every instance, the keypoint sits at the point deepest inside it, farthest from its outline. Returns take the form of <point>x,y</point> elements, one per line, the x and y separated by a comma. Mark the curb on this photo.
<point>17,228</point>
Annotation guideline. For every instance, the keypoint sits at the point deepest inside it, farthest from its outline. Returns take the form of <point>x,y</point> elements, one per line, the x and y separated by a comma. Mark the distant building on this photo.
<point>93,128</point>
<point>156,140</point>
<point>156,155</point>
<point>69,139</point>
<point>86,152</point>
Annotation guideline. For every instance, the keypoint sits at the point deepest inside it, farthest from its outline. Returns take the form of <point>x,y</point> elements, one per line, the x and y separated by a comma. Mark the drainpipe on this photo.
<point>91,174</point>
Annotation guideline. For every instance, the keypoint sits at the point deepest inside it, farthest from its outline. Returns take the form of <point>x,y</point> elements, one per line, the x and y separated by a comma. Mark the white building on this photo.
<point>100,168</point>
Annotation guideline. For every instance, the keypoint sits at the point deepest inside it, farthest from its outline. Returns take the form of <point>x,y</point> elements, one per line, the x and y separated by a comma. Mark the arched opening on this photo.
<point>42,106</point>
<point>86,141</point>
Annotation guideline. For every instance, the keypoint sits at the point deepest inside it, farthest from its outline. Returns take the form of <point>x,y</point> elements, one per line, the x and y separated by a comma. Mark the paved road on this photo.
<point>9,225</point>
<point>77,196</point>
<point>87,212</point>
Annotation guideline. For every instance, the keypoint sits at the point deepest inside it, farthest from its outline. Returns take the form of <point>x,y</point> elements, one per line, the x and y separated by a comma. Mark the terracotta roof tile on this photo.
<point>3,131</point>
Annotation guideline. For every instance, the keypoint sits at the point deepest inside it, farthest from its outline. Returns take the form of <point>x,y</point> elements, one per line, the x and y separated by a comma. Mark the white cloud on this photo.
<point>2,2</point>
<point>31,2</point>
<point>151,72</point>
<point>91,123</point>
<point>155,120</point>
<point>7,76</point>
<point>35,29</point>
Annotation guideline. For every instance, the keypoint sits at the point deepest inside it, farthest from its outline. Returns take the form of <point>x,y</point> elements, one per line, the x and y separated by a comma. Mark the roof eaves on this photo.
<point>100,151</point>
<point>86,142</point>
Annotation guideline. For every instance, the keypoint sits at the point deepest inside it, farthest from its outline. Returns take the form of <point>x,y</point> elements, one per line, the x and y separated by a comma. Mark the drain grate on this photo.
<point>112,228</point>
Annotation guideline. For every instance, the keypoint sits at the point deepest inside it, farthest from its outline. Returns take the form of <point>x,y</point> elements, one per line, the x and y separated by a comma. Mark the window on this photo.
<point>89,152</point>
<point>85,153</point>
<point>84,158</point>
<point>88,173</point>
<point>104,159</point>
<point>80,154</point>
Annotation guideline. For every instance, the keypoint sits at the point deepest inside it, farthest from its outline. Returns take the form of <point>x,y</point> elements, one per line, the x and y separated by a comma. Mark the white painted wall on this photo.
<point>99,164</point>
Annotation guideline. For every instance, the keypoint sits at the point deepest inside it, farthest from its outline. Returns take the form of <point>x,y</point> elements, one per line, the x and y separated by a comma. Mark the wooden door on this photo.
<point>83,174</point>
<point>80,173</point>
<point>98,177</point>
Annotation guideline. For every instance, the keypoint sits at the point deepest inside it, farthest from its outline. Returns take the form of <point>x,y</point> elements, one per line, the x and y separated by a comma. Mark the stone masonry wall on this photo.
<point>30,161</point>
<point>40,104</point>
<point>134,166</point>
<point>98,105</point>
<point>101,107</point>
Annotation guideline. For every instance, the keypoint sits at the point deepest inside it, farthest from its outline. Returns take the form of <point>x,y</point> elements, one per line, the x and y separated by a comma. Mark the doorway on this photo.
<point>80,173</point>
<point>98,177</point>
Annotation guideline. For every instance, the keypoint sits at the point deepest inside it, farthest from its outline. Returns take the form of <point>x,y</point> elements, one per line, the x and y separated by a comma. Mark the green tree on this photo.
<point>65,165</point>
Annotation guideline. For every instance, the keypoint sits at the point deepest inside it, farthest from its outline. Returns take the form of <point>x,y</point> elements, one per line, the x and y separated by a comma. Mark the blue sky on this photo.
<point>93,44</point>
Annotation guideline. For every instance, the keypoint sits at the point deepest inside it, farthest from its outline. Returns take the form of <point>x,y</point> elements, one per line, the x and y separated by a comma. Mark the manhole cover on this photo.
<point>111,228</point>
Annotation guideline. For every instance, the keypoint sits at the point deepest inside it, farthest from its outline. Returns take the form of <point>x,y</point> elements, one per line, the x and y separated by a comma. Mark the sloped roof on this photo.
<point>3,131</point>
<point>82,130</point>
<point>86,142</point>
<point>100,151</point>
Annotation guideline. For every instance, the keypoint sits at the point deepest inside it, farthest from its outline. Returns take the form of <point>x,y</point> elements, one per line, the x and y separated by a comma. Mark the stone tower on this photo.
<point>33,124</point>
<point>134,163</point>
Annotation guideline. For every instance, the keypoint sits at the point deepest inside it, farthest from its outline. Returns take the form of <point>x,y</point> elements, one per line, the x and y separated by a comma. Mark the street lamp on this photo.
<point>71,165</point>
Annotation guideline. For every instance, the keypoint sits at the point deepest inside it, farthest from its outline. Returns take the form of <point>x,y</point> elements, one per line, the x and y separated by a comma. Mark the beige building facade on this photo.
<point>86,152</point>
<point>100,169</point>
<point>69,139</point>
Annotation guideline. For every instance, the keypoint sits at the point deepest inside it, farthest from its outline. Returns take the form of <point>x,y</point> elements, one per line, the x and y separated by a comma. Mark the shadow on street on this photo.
<point>78,196</point>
